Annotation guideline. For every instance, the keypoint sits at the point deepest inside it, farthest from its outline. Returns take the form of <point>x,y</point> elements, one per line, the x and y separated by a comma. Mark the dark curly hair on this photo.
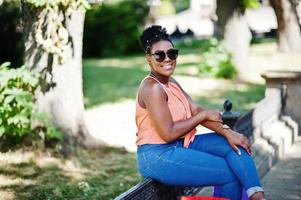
<point>151,35</point>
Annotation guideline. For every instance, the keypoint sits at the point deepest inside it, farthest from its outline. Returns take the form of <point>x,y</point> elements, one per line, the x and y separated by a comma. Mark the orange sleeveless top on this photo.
<point>179,108</point>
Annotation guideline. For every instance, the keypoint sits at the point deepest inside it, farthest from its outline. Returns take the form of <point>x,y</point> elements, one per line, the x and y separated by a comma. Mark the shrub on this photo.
<point>113,29</point>
<point>17,110</point>
<point>216,60</point>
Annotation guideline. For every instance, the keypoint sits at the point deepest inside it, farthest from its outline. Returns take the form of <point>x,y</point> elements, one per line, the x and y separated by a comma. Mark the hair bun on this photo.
<point>152,35</point>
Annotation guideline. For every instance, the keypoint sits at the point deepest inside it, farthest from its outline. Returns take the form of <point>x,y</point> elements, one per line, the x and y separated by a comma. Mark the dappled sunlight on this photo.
<point>241,87</point>
<point>46,161</point>
<point>16,157</point>
<point>244,96</point>
<point>13,161</point>
<point>8,181</point>
<point>200,87</point>
<point>263,57</point>
<point>189,58</point>
<point>110,84</point>
<point>70,168</point>
<point>103,123</point>
<point>50,177</point>
<point>7,194</point>
<point>263,49</point>
<point>188,70</point>
<point>18,167</point>
<point>188,65</point>
<point>125,62</point>
<point>73,170</point>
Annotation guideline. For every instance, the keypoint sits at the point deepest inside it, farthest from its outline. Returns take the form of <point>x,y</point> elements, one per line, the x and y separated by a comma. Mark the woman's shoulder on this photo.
<point>150,85</point>
<point>150,89</point>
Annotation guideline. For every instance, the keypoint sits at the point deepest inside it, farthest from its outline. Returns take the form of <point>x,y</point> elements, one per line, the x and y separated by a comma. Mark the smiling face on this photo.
<point>167,66</point>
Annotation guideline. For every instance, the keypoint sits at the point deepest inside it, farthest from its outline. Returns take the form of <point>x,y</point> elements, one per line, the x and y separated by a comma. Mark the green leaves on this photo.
<point>217,61</point>
<point>17,88</point>
<point>50,131</point>
<point>250,3</point>
<point>17,104</point>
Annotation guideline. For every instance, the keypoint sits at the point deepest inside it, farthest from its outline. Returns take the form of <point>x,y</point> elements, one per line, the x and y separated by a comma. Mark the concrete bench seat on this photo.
<point>149,189</point>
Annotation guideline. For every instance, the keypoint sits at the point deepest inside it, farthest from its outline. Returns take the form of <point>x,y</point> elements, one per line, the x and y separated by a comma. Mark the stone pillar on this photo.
<point>290,85</point>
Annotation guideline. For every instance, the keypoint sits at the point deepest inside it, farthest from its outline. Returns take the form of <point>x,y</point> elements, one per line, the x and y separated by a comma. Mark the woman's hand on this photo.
<point>236,139</point>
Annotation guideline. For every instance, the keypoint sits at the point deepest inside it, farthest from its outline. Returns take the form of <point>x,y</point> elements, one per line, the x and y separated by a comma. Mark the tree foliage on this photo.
<point>113,29</point>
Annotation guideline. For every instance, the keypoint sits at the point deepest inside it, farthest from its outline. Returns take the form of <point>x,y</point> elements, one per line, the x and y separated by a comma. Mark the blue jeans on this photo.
<point>208,161</point>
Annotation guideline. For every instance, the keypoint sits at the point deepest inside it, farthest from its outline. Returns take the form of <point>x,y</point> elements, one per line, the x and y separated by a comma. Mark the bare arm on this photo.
<point>154,98</point>
<point>234,138</point>
<point>215,125</point>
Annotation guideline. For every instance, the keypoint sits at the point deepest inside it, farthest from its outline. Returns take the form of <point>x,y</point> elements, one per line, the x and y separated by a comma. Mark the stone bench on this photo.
<point>153,190</point>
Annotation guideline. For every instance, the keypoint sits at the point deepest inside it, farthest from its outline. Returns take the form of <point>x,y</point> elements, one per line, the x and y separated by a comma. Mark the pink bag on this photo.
<point>202,198</point>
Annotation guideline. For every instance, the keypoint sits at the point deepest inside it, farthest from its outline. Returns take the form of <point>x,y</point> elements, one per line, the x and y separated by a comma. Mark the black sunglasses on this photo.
<point>172,54</point>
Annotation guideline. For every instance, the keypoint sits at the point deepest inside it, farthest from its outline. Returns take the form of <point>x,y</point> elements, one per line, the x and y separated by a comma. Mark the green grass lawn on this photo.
<point>97,174</point>
<point>117,78</point>
<point>243,98</point>
<point>106,83</point>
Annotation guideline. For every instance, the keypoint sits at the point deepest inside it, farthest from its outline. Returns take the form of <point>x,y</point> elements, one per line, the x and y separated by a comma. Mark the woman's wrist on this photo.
<point>224,131</point>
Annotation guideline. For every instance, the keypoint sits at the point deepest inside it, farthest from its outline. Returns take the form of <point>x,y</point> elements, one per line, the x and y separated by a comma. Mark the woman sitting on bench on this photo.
<point>166,118</point>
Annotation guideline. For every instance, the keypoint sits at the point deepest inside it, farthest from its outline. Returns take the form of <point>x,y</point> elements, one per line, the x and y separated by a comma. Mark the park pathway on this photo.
<point>283,181</point>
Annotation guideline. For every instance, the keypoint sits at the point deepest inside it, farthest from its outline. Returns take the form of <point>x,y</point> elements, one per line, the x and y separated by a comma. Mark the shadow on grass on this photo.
<point>110,84</point>
<point>243,100</point>
<point>103,175</point>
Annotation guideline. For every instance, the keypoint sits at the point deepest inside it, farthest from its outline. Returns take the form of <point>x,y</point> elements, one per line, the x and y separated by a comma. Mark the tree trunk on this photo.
<point>288,31</point>
<point>233,28</point>
<point>63,100</point>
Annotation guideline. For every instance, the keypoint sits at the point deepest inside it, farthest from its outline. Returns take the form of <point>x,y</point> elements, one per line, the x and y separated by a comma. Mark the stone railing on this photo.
<point>273,124</point>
